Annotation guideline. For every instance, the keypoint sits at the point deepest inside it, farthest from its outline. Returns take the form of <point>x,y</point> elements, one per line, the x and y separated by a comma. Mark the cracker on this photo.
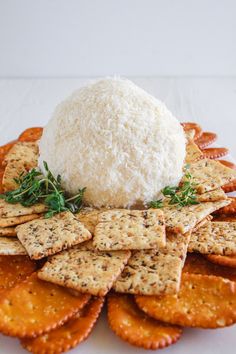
<point>228,261</point>
<point>198,264</point>
<point>89,218</point>
<point>203,301</point>
<point>135,327</point>
<point>215,153</point>
<point>210,174</point>
<point>8,231</point>
<point>155,272</point>
<point>229,187</point>
<point>212,196</point>
<point>34,307</point>
<point>72,333</point>
<point>87,271</point>
<point>193,153</point>
<point>11,247</point>
<point>129,229</point>
<point>193,126</point>
<point>182,220</point>
<point>189,134</point>
<point>228,209</point>
<point>214,238</point>
<point>9,210</point>
<point>17,220</point>
<point>13,170</point>
<point>202,223</point>
<point>45,237</point>
<point>14,269</point>
<point>31,134</point>
<point>206,139</point>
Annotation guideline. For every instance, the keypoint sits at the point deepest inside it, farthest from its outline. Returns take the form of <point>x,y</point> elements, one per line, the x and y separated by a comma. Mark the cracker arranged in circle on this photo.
<point>228,209</point>
<point>198,264</point>
<point>11,247</point>
<point>17,220</point>
<point>228,164</point>
<point>14,269</point>
<point>228,261</point>
<point>210,174</point>
<point>155,272</point>
<point>45,237</point>
<point>193,126</point>
<point>135,327</point>
<point>214,153</point>
<point>206,139</point>
<point>9,210</point>
<point>84,269</point>
<point>31,134</point>
<point>8,231</point>
<point>214,238</point>
<point>229,187</point>
<point>34,307</point>
<point>203,301</point>
<point>129,229</point>
<point>69,335</point>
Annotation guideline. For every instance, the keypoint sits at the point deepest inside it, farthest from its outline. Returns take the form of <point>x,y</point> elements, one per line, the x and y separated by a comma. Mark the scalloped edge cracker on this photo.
<point>45,237</point>
<point>87,271</point>
<point>129,229</point>
<point>155,272</point>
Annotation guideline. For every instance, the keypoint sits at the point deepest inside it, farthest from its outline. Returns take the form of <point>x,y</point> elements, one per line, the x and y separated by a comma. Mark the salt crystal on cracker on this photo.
<point>129,229</point>
<point>87,271</point>
<point>45,237</point>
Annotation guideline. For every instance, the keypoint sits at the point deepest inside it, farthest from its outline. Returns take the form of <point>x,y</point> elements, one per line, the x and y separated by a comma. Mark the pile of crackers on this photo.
<point>161,269</point>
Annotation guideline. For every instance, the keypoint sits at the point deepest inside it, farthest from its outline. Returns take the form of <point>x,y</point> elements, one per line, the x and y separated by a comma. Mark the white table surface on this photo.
<point>209,101</point>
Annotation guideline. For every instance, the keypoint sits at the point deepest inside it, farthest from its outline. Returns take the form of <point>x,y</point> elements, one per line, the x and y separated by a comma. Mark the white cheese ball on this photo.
<point>116,140</point>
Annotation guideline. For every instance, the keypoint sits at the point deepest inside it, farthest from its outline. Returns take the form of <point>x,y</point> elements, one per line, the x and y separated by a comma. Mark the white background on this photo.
<point>182,51</point>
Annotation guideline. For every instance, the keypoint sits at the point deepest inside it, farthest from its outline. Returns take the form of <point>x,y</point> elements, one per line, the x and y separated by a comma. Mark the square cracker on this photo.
<point>89,218</point>
<point>45,237</point>
<point>84,269</point>
<point>182,220</point>
<point>193,153</point>
<point>155,272</point>
<point>13,170</point>
<point>8,231</point>
<point>212,196</point>
<point>214,238</point>
<point>11,247</point>
<point>8,210</point>
<point>129,229</point>
<point>17,220</point>
<point>210,174</point>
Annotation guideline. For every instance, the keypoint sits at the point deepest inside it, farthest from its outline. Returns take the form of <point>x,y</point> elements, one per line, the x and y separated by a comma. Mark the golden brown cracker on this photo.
<point>69,335</point>
<point>229,187</point>
<point>31,134</point>
<point>8,231</point>
<point>228,209</point>
<point>135,327</point>
<point>203,301</point>
<point>17,220</point>
<point>228,261</point>
<point>206,139</point>
<point>34,307</point>
<point>196,127</point>
<point>228,164</point>
<point>214,153</point>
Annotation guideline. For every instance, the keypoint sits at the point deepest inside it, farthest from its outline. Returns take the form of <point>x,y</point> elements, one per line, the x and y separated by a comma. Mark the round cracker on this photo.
<point>214,153</point>
<point>228,164</point>
<point>193,126</point>
<point>228,209</point>
<point>198,264</point>
<point>135,327</point>
<point>229,187</point>
<point>206,139</point>
<point>203,301</point>
<point>31,134</point>
<point>228,261</point>
<point>34,307</point>
<point>14,269</point>
<point>72,333</point>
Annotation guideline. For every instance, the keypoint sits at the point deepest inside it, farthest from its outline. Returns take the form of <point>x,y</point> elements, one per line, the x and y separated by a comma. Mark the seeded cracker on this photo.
<point>11,247</point>
<point>214,238</point>
<point>87,271</point>
<point>212,196</point>
<point>8,231</point>
<point>155,272</point>
<point>45,237</point>
<point>129,229</point>
<point>8,210</point>
<point>193,153</point>
<point>17,220</point>
<point>210,174</point>
<point>203,301</point>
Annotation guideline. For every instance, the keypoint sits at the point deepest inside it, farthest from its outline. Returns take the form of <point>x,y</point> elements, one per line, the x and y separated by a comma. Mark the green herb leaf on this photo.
<point>156,204</point>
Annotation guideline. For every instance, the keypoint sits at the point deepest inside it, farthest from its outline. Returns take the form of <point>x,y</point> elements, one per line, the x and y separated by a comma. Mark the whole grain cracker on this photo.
<point>45,237</point>
<point>23,151</point>
<point>203,301</point>
<point>135,327</point>
<point>34,307</point>
<point>129,229</point>
<point>11,247</point>
<point>9,210</point>
<point>89,218</point>
<point>87,271</point>
<point>8,231</point>
<point>193,153</point>
<point>214,238</point>
<point>17,220</point>
<point>155,272</point>
<point>212,196</point>
<point>210,174</point>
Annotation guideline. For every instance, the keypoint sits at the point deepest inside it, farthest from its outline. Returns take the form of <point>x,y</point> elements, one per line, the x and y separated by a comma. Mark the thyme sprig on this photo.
<point>35,187</point>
